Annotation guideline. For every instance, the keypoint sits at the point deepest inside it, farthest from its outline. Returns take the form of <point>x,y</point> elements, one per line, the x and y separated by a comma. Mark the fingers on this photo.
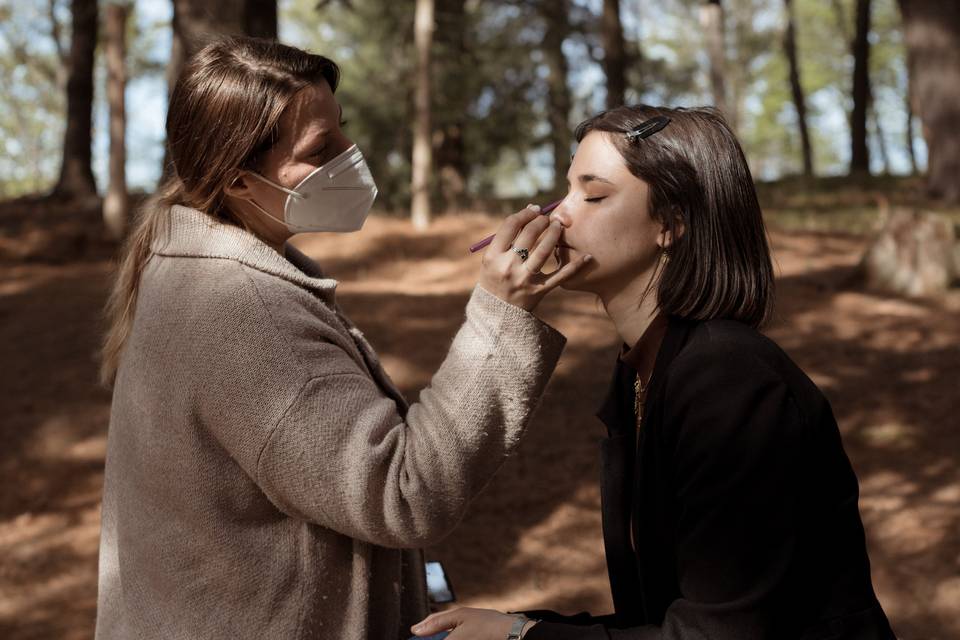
<point>529,234</point>
<point>508,231</point>
<point>566,272</point>
<point>437,622</point>
<point>540,255</point>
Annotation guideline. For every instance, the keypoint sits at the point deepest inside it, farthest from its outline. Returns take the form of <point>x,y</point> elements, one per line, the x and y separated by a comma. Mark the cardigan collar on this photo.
<point>192,233</point>
<point>616,412</point>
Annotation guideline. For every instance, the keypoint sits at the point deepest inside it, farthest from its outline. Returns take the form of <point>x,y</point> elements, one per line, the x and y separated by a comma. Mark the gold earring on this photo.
<point>666,255</point>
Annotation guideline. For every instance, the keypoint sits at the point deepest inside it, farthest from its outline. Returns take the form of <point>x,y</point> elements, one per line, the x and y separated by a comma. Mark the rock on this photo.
<point>916,254</point>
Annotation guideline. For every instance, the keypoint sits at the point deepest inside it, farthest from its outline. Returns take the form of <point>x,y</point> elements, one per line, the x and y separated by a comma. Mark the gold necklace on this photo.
<point>639,391</point>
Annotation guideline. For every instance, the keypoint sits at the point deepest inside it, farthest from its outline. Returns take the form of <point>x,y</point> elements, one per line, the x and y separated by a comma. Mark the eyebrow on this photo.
<point>589,177</point>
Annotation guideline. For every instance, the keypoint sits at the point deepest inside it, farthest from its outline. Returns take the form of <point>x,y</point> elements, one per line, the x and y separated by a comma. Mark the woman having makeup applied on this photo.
<point>729,506</point>
<point>264,477</point>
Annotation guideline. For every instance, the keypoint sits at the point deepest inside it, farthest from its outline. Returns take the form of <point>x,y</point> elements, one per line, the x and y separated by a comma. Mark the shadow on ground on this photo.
<point>532,539</point>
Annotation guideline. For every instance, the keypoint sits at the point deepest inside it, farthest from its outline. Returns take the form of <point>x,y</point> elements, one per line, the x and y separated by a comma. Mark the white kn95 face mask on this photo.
<point>335,196</point>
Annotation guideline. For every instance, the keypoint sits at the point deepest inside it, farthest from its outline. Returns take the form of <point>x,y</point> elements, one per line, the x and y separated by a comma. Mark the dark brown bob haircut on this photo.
<point>701,189</point>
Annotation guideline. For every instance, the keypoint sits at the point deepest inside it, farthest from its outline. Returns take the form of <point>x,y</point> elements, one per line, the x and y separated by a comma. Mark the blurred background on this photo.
<point>848,112</point>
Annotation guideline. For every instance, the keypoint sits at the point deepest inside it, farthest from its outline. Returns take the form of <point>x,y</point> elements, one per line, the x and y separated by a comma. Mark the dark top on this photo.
<point>735,517</point>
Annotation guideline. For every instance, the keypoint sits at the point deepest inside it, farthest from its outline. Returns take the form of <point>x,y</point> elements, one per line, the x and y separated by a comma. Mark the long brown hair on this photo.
<point>699,179</point>
<point>223,115</point>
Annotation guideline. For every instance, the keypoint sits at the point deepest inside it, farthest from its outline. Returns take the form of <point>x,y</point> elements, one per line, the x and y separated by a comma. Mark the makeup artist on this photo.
<point>264,477</point>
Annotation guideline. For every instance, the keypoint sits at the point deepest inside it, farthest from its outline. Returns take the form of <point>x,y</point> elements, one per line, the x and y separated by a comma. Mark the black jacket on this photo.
<point>733,514</point>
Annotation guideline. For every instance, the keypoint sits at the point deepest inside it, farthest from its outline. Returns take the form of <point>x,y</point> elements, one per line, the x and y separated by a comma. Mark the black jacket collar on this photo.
<point>616,412</point>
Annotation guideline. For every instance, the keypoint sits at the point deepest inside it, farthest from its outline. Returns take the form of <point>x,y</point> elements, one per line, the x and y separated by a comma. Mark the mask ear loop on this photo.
<point>264,212</point>
<point>289,192</point>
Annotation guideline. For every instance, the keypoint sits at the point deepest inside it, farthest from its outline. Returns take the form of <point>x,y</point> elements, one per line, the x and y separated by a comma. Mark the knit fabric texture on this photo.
<point>264,477</point>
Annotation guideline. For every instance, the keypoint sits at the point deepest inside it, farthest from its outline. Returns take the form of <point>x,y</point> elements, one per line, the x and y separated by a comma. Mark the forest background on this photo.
<point>849,114</point>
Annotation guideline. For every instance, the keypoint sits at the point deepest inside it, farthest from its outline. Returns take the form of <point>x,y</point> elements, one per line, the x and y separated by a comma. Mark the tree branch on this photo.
<point>55,31</point>
<point>23,57</point>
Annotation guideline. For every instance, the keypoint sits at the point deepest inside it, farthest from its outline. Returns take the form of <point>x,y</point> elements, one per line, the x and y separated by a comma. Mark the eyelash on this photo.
<point>597,199</point>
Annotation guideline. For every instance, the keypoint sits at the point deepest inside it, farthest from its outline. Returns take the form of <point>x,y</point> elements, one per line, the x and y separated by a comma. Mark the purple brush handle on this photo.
<point>544,212</point>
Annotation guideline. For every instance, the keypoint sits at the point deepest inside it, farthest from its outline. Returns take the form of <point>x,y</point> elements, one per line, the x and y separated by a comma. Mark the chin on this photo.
<point>583,280</point>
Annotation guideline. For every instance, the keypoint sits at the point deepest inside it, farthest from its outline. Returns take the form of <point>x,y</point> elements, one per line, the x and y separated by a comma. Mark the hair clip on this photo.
<point>648,128</point>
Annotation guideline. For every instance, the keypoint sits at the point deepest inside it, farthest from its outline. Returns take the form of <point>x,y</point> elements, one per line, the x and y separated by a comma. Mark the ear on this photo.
<point>239,187</point>
<point>666,237</point>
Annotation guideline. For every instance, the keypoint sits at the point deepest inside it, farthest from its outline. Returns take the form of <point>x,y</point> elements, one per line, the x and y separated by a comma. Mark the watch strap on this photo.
<point>517,629</point>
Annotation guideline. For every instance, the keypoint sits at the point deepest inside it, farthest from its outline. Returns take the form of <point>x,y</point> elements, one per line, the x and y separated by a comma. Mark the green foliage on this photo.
<point>370,40</point>
<point>490,81</point>
<point>32,111</point>
<point>488,86</point>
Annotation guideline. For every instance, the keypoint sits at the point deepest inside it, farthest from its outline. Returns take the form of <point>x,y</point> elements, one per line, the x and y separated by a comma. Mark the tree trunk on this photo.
<point>859,153</point>
<point>796,89</point>
<point>932,37</point>
<point>738,21</point>
<point>711,20</point>
<point>116,202</point>
<point>911,150</point>
<point>451,48</point>
<point>614,54</point>
<point>881,138</point>
<point>260,19</point>
<point>76,174</point>
<point>556,15</point>
<point>196,22</point>
<point>422,150</point>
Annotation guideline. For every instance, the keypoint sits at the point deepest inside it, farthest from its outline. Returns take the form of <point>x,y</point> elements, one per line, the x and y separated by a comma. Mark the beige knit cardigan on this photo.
<point>264,477</point>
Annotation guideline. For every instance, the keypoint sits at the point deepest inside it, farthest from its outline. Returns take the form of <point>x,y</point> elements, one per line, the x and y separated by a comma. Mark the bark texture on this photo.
<point>76,174</point>
<point>796,90</point>
<point>932,36</point>
<point>422,162</point>
<point>116,203</point>
<point>614,54</point>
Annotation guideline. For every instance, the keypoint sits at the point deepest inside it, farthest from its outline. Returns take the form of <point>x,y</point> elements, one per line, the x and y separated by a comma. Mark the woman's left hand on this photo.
<point>467,624</point>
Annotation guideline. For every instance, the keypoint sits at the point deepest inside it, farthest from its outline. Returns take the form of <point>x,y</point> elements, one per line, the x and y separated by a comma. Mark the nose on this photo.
<point>561,214</point>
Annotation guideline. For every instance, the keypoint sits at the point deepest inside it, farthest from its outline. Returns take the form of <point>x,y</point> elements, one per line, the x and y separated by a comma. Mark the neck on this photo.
<point>629,310</point>
<point>269,229</point>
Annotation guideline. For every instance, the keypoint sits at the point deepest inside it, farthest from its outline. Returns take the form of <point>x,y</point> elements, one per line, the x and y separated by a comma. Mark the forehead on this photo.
<point>313,111</point>
<point>596,155</point>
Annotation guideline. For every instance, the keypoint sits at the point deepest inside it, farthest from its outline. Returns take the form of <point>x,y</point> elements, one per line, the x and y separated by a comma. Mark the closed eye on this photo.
<point>594,199</point>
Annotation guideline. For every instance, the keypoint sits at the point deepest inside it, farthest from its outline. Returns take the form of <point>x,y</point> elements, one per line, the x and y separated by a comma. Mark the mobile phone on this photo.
<point>438,586</point>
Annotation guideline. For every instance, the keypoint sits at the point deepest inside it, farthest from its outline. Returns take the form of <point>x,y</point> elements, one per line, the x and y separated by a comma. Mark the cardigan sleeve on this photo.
<point>343,455</point>
<point>736,430</point>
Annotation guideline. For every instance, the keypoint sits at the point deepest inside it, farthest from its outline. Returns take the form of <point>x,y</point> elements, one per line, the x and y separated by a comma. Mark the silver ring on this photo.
<point>523,253</point>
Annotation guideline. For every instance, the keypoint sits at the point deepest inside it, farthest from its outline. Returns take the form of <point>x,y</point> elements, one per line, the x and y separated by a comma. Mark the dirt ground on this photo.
<point>890,367</point>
